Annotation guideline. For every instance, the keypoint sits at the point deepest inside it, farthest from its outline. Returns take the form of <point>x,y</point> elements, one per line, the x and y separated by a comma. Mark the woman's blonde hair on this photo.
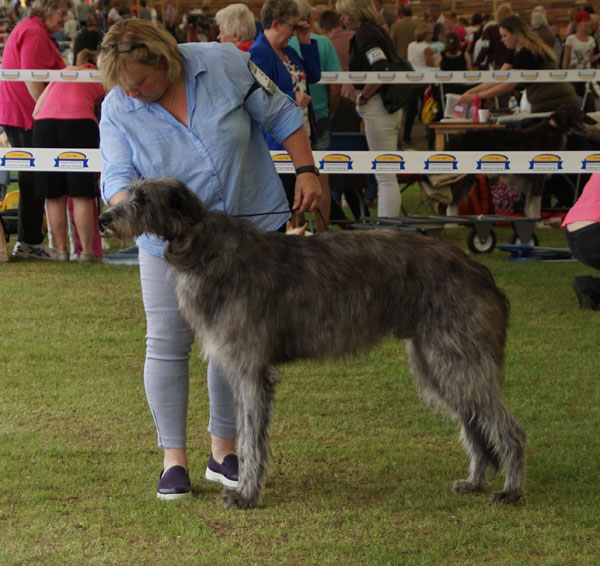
<point>503,11</point>
<point>237,18</point>
<point>527,38</point>
<point>422,30</point>
<point>45,8</point>
<point>361,10</point>
<point>158,48</point>
<point>86,56</point>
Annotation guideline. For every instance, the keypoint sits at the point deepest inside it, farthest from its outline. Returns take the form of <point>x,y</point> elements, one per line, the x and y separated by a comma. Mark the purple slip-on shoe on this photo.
<point>174,484</point>
<point>225,473</point>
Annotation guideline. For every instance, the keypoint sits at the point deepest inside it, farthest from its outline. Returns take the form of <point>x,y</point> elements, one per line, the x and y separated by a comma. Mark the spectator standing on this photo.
<point>420,56</point>
<point>494,53</point>
<point>330,24</point>
<point>65,116</point>
<point>579,46</point>
<point>582,227</point>
<point>30,46</point>
<point>82,9</point>
<point>114,14</point>
<point>89,37</point>
<point>386,17</point>
<point>144,11</point>
<point>454,57</point>
<point>539,25</point>
<point>236,25</point>
<point>438,41</point>
<point>171,18</point>
<point>435,15</point>
<point>403,30</point>
<point>371,49</point>
<point>578,53</point>
<point>324,101</point>
<point>291,73</point>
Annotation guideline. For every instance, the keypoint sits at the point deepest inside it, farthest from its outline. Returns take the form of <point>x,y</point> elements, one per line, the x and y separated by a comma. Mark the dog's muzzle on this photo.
<point>105,220</point>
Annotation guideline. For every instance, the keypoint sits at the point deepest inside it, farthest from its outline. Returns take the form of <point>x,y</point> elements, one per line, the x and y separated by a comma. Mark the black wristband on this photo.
<point>307,169</point>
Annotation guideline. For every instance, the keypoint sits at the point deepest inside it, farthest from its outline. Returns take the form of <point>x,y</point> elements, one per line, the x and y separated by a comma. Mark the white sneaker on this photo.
<point>33,252</point>
<point>86,257</point>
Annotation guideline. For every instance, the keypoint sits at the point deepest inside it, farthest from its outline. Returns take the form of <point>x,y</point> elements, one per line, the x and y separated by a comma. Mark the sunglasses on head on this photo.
<point>124,47</point>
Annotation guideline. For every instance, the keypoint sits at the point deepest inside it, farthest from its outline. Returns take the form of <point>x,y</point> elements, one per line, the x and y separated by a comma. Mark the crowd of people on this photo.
<point>176,103</point>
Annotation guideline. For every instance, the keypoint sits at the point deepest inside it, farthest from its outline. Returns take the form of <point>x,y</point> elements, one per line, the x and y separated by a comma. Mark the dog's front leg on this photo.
<point>254,399</point>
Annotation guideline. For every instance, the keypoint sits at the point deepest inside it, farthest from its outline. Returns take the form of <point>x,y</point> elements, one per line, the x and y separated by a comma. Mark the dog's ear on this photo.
<point>184,201</point>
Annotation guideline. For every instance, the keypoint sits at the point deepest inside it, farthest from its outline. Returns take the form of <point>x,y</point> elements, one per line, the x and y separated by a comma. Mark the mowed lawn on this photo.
<point>361,470</point>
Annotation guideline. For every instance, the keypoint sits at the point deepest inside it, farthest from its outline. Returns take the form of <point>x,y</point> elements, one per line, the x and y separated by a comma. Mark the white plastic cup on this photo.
<point>484,115</point>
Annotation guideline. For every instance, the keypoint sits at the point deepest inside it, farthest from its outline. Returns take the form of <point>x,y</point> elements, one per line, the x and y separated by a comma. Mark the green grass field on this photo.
<point>361,471</point>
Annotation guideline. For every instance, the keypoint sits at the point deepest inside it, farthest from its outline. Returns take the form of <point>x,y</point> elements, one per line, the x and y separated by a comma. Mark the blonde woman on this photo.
<point>420,53</point>
<point>530,52</point>
<point>193,112</point>
<point>372,49</point>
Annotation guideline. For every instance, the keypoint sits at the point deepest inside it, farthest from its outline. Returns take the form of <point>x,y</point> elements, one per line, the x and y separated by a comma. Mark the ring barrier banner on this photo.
<point>342,162</point>
<point>329,77</point>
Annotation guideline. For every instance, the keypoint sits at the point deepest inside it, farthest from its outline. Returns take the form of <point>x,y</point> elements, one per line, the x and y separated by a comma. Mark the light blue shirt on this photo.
<point>221,156</point>
<point>329,62</point>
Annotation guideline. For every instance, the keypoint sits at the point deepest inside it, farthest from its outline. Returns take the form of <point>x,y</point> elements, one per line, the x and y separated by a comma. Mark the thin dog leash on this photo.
<point>288,211</point>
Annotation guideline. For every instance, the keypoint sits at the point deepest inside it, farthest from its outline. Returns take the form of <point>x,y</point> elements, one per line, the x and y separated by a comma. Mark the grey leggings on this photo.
<point>166,371</point>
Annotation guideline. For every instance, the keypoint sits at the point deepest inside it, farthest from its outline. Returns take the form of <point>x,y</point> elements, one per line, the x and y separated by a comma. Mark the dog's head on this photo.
<point>567,118</point>
<point>161,206</point>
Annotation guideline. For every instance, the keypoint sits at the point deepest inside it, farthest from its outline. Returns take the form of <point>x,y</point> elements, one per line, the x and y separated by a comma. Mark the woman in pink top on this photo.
<point>65,116</point>
<point>30,46</point>
<point>582,225</point>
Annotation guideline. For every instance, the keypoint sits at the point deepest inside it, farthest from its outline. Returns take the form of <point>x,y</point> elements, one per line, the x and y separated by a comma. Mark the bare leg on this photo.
<point>57,217</point>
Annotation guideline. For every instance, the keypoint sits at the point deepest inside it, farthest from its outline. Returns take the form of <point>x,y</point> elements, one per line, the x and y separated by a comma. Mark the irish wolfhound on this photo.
<point>257,299</point>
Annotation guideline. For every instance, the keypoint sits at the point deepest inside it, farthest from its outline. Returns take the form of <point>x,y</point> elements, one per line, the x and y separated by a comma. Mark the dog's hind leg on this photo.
<point>468,390</point>
<point>509,441</point>
<point>481,454</point>
<point>254,399</point>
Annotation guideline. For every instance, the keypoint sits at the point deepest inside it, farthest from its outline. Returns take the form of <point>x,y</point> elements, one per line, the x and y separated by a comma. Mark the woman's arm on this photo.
<point>35,89</point>
<point>489,90</point>
<point>469,62</point>
<point>40,101</point>
<point>308,189</point>
<point>566,57</point>
<point>429,53</point>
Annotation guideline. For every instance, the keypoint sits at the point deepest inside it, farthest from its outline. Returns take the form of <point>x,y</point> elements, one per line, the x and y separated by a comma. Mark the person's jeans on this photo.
<point>166,370</point>
<point>381,130</point>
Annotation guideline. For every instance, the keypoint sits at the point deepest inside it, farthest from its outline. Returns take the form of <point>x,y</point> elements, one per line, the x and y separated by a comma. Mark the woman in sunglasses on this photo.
<point>30,46</point>
<point>193,112</point>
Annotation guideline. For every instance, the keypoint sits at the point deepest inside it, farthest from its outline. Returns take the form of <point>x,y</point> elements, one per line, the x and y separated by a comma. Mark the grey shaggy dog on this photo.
<point>257,299</point>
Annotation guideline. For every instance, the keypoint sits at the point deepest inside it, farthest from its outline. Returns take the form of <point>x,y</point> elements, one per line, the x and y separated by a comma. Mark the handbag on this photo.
<point>394,96</point>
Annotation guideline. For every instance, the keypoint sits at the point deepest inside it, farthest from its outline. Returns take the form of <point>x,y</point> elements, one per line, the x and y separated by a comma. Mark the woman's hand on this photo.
<point>467,97</point>
<point>302,99</point>
<point>303,32</point>
<point>361,100</point>
<point>308,193</point>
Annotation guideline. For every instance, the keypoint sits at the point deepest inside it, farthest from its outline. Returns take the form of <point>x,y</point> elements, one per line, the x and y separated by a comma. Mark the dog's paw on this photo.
<point>510,497</point>
<point>465,486</point>
<point>233,499</point>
